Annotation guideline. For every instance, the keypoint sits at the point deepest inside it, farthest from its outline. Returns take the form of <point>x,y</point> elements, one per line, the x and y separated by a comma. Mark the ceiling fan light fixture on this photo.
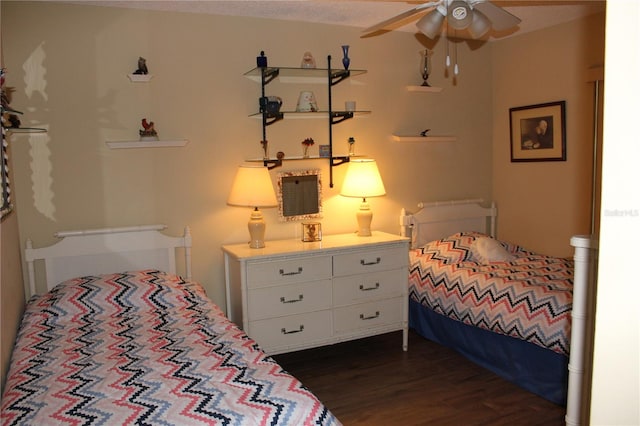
<point>459,15</point>
<point>431,23</point>
<point>480,24</point>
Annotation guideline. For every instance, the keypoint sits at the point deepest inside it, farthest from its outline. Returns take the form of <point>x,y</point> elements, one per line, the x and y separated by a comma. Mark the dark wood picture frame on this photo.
<point>538,132</point>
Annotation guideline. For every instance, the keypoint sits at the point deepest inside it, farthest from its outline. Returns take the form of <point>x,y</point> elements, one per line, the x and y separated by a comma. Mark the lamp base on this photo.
<point>256,227</point>
<point>364,217</point>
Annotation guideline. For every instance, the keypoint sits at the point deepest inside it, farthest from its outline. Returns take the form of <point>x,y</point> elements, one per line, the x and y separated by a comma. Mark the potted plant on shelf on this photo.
<point>305,147</point>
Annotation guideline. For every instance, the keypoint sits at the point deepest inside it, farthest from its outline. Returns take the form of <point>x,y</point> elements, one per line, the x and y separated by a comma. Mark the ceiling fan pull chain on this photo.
<point>448,60</point>
<point>455,52</point>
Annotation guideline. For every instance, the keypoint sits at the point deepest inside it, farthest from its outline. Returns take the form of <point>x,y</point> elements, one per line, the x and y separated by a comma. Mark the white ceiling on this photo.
<point>535,14</point>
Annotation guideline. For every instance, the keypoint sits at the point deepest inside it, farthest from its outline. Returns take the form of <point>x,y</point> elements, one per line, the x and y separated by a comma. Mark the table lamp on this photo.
<point>362,179</point>
<point>252,187</point>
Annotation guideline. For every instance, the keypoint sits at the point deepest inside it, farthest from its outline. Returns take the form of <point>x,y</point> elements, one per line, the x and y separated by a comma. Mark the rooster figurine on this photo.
<point>148,132</point>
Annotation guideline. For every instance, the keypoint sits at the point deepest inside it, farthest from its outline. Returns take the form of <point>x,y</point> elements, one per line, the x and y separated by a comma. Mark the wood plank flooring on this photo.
<point>373,382</point>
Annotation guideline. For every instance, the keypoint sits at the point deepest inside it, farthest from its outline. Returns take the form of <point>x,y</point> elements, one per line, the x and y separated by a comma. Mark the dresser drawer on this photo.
<point>283,271</point>
<point>368,315</point>
<point>376,285</point>
<point>370,260</point>
<point>294,330</point>
<point>289,299</point>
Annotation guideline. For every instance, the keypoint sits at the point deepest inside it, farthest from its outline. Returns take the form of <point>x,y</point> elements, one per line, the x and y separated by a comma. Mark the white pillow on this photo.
<point>485,250</point>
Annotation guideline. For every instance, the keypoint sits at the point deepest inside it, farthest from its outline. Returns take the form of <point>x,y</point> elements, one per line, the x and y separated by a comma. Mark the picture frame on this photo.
<point>311,231</point>
<point>538,132</point>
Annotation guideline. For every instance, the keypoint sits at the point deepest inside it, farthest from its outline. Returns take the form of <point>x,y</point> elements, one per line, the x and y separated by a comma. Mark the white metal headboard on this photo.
<point>107,250</point>
<point>439,219</point>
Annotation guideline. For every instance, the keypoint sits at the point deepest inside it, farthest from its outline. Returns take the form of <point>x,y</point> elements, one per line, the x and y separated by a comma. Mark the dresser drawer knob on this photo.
<point>299,299</point>
<point>365,263</point>
<point>375,287</point>
<point>377,314</point>
<point>299,330</point>
<point>299,271</point>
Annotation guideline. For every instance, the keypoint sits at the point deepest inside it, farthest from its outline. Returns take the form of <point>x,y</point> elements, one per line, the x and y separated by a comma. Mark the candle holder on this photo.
<point>425,66</point>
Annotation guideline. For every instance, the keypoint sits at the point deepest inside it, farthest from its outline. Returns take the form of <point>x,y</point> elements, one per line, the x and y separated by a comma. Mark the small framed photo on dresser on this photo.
<point>311,231</point>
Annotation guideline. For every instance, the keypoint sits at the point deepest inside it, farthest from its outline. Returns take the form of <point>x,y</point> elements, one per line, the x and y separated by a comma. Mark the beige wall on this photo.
<point>11,287</point>
<point>69,64</point>
<point>11,290</point>
<point>542,204</point>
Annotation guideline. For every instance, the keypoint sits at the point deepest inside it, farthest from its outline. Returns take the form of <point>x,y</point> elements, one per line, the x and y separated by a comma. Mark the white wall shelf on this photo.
<point>146,144</point>
<point>397,138</point>
<point>140,78</point>
<point>424,89</point>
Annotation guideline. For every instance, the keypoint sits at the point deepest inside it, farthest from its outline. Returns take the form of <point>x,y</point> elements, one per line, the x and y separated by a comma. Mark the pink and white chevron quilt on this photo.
<point>145,348</point>
<point>528,297</point>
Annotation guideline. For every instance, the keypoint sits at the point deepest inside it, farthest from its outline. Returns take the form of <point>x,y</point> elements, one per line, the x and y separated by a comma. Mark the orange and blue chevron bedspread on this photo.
<point>145,348</point>
<point>528,297</point>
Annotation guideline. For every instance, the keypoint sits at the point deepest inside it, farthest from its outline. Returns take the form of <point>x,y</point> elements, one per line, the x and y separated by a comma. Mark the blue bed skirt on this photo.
<point>531,367</point>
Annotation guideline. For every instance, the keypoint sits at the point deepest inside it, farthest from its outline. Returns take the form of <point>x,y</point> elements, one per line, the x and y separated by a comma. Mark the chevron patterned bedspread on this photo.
<point>145,348</point>
<point>528,297</point>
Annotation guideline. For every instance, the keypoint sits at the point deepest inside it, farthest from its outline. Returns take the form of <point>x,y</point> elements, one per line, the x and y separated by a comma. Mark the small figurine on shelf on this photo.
<point>305,147</point>
<point>261,61</point>
<point>265,149</point>
<point>149,132</point>
<point>308,61</point>
<point>352,146</point>
<point>142,67</point>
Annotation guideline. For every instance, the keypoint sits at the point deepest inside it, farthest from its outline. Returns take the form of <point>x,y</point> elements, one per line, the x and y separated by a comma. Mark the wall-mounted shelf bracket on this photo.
<point>338,76</point>
<point>336,161</point>
<point>268,74</point>
<point>269,119</point>
<point>340,116</point>
<point>272,164</point>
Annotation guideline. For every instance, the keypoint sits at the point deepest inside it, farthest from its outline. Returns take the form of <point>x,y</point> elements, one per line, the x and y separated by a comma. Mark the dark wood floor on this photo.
<point>373,382</point>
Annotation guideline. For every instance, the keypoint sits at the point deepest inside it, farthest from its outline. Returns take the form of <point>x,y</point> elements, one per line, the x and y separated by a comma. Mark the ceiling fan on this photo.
<point>475,16</point>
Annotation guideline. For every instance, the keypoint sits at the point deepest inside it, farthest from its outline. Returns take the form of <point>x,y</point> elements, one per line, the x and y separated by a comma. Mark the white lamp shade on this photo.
<point>480,24</point>
<point>252,187</point>
<point>362,179</point>
<point>431,23</point>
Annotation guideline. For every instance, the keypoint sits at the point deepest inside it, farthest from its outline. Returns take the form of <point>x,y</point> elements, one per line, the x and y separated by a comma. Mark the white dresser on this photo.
<point>292,295</point>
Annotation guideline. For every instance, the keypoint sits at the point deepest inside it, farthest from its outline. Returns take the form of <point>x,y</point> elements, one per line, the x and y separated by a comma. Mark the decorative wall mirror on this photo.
<point>299,195</point>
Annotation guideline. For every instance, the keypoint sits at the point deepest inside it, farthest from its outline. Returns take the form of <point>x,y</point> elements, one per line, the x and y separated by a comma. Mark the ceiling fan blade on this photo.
<point>404,15</point>
<point>500,19</point>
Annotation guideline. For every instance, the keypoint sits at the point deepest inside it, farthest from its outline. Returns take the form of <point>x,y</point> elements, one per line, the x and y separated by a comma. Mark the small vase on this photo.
<point>352,146</point>
<point>345,57</point>
<point>305,151</point>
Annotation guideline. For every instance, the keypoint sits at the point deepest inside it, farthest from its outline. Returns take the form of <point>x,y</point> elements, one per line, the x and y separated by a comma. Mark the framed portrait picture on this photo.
<point>538,132</point>
<point>311,231</point>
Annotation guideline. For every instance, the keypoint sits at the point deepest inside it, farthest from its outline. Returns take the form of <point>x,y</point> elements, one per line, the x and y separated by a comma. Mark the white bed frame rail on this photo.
<point>107,250</point>
<point>439,219</point>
